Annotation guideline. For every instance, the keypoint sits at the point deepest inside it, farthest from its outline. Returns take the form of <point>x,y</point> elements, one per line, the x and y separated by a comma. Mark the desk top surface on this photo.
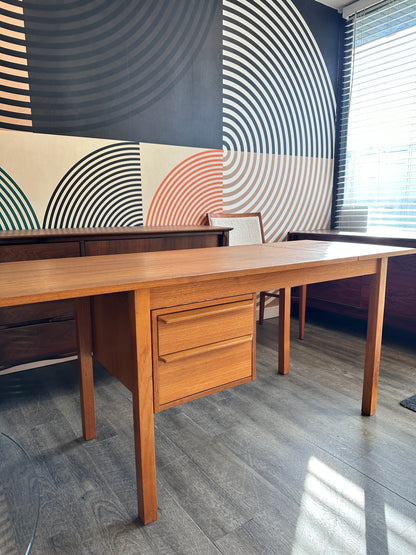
<point>45,280</point>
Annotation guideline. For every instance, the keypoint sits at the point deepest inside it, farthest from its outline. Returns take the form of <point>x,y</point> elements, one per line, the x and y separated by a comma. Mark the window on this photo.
<point>376,181</point>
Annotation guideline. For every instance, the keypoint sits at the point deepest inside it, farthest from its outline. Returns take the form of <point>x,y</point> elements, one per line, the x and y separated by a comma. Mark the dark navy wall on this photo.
<point>130,70</point>
<point>326,25</point>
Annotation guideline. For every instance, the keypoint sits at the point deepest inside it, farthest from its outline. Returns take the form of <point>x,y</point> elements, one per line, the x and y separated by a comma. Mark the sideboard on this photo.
<point>349,297</point>
<point>42,331</point>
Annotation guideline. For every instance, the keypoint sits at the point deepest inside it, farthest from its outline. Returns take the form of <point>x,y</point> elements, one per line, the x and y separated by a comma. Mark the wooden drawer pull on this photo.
<point>205,349</point>
<point>210,310</point>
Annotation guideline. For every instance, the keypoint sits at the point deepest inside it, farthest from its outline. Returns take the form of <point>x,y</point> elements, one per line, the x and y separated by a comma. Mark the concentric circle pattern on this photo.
<point>16,211</point>
<point>97,62</point>
<point>189,191</point>
<point>278,116</point>
<point>101,190</point>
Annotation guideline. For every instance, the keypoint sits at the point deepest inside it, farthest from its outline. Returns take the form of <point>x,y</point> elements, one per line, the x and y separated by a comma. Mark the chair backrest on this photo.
<point>247,227</point>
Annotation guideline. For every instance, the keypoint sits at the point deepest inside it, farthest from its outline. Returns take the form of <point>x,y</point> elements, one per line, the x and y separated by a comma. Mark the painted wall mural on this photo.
<point>157,111</point>
<point>189,191</point>
<point>279,114</point>
<point>16,212</point>
<point>103,189</point>
<point>15,108</point>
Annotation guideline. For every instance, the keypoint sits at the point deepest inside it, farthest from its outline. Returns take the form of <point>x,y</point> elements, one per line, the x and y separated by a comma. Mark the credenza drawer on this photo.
<point>36,251</point>
<point>202,369</point>
<point>200,326</point>
<point>22,344</point>
<point>150,244</point>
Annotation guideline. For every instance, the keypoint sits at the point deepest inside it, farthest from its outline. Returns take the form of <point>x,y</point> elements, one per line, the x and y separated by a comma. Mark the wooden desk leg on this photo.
<point>86,378</point>
<point>284,330</point>
<point>302,311</point>
<point>144,440</point>
<point>374,335</point>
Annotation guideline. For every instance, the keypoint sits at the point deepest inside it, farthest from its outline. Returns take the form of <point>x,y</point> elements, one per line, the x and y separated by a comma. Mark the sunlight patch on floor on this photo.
<point>332,517</point>
<point>334,514</point>
<point>401,532</point>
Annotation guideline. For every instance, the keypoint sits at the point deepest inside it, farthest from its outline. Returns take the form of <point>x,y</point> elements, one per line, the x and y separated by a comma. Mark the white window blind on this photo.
<point>376,181</point>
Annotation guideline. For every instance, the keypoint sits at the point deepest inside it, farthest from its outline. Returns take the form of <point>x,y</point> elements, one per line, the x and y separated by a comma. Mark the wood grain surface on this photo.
<point>43,280</point>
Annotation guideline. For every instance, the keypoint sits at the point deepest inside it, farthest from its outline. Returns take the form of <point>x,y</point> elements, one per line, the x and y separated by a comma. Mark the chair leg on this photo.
<point>261,310</point>
<point>302,310</point>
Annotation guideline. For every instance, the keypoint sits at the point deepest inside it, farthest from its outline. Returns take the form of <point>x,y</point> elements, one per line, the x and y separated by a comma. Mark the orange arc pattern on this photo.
<point>190,190</point>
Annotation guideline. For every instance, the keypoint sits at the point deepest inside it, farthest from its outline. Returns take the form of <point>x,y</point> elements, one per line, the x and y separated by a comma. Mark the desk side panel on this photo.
<point>113,342</point>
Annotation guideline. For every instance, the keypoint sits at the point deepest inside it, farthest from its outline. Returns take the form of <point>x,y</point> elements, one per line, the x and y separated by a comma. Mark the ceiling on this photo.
<point>337,4</point>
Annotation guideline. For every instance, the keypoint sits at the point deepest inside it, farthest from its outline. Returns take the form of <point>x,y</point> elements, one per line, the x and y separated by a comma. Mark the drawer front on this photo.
<point>200,326</point>
<point>203,370</point>
<point>152,244</point>
<point>37,342</point>
<point>36,313</point>
<point>37,251</point>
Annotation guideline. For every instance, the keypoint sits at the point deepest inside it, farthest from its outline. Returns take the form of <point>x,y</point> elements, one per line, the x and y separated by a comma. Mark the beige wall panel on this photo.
<point>291,192</point>
<point>156,163</point>
<point>37,162</point>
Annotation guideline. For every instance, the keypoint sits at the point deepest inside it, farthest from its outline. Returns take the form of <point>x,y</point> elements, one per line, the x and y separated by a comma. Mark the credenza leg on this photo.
<point>284,330</point>
<point>86,379</point>
<point>374,336</point>
<point>142,390</point>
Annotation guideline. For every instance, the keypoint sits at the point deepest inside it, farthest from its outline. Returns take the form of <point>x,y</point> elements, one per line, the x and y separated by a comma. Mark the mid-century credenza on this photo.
<point>349,297</point>
<point>47,330</point>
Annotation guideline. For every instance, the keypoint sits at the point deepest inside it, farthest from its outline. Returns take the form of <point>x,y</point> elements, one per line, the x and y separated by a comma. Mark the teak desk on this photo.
<point>121,299</point>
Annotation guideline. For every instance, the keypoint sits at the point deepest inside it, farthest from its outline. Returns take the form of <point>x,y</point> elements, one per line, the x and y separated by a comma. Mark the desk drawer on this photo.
<point>201,348</point>
<point>187,373</point>
<point>200,326</point>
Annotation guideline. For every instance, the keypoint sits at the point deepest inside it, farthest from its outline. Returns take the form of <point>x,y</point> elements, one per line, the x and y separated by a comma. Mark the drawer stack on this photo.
<point>41,330</point>
<point>202,348</point>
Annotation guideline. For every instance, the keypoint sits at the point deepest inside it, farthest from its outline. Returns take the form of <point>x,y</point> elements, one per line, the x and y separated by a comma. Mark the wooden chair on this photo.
<point>247,229</point>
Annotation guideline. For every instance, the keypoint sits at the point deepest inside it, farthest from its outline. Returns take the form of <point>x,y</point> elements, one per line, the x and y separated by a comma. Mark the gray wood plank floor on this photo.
<point>284,465</point>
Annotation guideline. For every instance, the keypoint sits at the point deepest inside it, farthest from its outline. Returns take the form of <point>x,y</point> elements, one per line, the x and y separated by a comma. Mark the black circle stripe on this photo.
<point>103,189</point>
